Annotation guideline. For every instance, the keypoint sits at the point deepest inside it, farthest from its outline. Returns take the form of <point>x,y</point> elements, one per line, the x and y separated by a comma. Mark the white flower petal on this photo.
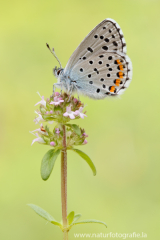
<point>65,114</point>
<point>71,115</point>
<point>39,139</point>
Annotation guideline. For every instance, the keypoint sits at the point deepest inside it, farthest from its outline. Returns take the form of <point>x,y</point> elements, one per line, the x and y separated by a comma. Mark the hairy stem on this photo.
<point>64,183</point>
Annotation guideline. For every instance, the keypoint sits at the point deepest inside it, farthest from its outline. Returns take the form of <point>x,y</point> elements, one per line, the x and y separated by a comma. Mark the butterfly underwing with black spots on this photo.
<point>99,67</point>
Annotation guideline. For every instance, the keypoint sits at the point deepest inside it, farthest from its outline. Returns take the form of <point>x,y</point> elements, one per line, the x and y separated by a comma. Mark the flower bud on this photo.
<point>52,144</point>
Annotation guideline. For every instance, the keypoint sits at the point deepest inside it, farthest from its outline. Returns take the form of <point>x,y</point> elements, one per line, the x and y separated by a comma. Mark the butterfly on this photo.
<point>99,67</point>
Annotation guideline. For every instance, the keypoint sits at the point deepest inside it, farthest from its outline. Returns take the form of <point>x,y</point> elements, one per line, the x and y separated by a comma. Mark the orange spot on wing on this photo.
<point>112,88</point>
<point>120,74</point>
<point>117,82</point>
<point>121,67</point>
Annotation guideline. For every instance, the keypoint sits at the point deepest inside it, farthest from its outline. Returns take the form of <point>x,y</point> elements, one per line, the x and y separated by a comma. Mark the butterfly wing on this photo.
<point>107,73</point>
<point>107,36</point>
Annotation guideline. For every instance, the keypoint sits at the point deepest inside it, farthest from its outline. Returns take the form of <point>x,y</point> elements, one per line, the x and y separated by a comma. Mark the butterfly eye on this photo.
<point>58,72</point>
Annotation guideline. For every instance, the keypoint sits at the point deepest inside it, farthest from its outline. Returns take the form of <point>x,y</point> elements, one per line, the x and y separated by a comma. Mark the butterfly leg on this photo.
<point>70,94</point>
<point>61,89</point>
<point>76,90</point>
<point>70,90</point>
<point>59,85</point>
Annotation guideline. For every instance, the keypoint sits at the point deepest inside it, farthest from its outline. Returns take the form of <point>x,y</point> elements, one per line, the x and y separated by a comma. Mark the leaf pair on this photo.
<point>72,218</point>
<point>50,157</point>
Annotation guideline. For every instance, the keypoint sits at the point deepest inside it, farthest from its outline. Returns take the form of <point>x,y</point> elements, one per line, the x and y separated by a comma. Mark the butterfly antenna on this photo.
<point>53,52</point>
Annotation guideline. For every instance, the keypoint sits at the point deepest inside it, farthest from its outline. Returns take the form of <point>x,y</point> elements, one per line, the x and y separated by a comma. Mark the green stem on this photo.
<point>64,183</point>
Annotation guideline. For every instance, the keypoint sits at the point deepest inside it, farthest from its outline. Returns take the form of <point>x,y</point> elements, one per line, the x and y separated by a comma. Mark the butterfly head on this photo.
<point>56,70</point>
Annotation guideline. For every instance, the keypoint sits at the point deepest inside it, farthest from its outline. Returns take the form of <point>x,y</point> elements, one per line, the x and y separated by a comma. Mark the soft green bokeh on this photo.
<point>124,134</point>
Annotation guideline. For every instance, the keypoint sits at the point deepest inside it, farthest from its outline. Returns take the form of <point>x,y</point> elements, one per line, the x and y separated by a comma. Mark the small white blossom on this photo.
<point>57,101</point>
<point>69,113</point>
<point>79,112</point>
<point>43,102</point>
<point>38,139</point>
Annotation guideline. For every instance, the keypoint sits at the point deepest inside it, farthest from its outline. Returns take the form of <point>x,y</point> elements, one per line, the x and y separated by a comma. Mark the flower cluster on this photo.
<point>59,109</point>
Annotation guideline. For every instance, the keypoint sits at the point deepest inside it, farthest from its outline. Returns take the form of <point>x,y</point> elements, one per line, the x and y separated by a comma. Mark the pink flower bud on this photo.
<point>51,112</point>
<point>57,130</point>
<point>56,94</point>
<point>52,144</point>
<point>75,100</point>
<point>85,135</point>
<point>85,141</point>
<point>47,112</point>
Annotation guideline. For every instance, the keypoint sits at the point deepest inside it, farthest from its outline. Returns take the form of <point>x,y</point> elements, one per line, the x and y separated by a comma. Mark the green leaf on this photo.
<point>41,212</point>
<point>70,217</point>
<point>75,128</point>
<point>88,221</point>
<point>45,117</point>
<point>76,217</point>
<point>48,162</point>
<point>87,159</point>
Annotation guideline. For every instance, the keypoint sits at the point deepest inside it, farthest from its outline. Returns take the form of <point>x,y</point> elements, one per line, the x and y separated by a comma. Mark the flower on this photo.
<point>39,118</point>
<point>57,101</point>
<point>85,142</point>
<point>52,144</point>
<point>61,108</point>
<point>79,112</point>
<point>43,102</point>
<point>57,130</point>
<point>85,135</point>
<point>69,113</point>
<point>38,139</point>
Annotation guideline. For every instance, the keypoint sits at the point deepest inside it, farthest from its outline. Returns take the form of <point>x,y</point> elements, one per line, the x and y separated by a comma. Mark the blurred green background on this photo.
<point>124,134</point>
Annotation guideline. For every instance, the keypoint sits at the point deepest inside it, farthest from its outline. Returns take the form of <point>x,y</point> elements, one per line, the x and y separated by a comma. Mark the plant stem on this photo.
<point>64,183</point>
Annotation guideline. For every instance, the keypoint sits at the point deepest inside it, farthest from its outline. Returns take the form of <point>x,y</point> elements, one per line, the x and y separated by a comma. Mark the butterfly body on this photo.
<point>99,67</point>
